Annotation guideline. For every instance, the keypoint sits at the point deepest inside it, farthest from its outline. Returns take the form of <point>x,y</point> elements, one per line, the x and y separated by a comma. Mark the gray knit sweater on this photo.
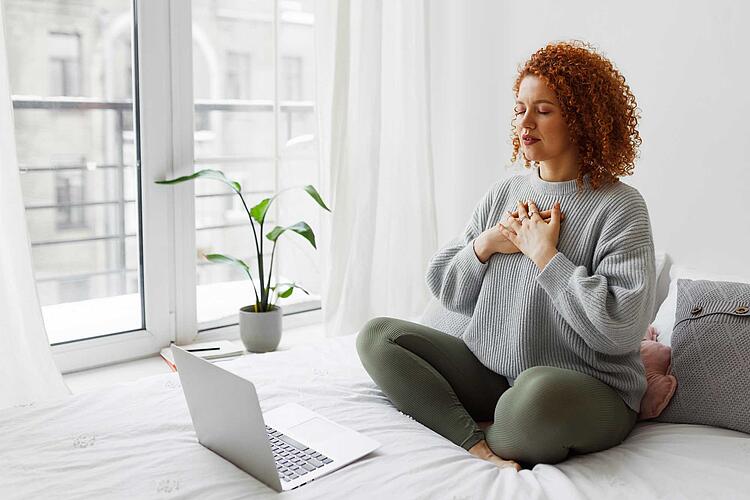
<point>587,310</point>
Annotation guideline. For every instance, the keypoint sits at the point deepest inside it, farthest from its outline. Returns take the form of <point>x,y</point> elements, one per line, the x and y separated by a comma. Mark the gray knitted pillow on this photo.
<point>711,355</point>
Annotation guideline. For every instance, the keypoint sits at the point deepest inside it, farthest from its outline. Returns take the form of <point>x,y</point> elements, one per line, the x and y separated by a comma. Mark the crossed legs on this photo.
<point>549,412</point>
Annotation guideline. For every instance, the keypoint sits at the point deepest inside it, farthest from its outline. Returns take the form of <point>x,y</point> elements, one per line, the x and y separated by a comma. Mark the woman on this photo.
<point>557,306</point>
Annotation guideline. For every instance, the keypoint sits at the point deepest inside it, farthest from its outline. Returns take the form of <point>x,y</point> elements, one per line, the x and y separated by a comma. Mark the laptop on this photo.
<point>284,448</point>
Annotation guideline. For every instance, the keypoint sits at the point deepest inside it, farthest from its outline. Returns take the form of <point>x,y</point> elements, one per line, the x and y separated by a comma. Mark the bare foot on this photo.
<point>484,452</point>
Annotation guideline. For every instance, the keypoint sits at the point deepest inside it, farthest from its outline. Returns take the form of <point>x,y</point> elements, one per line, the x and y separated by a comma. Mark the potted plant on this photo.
<point>260,322</point>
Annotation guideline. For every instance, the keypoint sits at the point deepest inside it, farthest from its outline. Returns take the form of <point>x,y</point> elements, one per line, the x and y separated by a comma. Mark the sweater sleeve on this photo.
<point>611,308</point>
<point>455,273</point>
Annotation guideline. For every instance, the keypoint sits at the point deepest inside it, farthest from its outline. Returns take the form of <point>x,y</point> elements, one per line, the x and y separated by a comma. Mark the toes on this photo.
<point>513,464</point>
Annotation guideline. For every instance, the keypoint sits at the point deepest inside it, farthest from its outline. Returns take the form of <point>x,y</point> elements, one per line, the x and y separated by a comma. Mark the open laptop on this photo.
<point>284,448</point>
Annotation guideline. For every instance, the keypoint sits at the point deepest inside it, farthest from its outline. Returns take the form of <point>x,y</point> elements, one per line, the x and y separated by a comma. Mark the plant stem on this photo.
<point>255,291</point>
<point>263,289</point>
<point>259,253</point>
<point>270,268</point>
<point>266,290</point>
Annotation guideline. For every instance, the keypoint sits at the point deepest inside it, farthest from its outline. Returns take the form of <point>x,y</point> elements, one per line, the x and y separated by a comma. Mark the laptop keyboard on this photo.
<point>293,459</point>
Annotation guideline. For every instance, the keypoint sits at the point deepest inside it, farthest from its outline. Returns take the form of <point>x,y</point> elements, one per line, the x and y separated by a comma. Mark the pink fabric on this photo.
<point>657,359</point>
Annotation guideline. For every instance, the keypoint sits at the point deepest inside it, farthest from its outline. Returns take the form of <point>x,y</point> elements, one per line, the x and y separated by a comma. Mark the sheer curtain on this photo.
<point>374,125</point>
<point>27,370</point>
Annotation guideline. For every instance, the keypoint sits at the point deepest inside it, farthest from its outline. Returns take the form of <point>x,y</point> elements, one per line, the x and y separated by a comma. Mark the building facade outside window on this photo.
<point>292,74</point>
<point>70,196</point>
<point>64,63</point>
<point>238,75</point>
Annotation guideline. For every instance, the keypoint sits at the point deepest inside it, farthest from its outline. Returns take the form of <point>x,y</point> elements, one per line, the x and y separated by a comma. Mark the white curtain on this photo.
<point>373,99</point>
<point>27,370</point>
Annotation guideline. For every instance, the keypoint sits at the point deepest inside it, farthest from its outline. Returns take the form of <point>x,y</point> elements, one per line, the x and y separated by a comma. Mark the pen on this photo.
<point>204,349</point>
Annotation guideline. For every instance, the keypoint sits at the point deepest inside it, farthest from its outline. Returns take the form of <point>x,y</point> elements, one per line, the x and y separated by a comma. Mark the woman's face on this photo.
<point>538,116</point>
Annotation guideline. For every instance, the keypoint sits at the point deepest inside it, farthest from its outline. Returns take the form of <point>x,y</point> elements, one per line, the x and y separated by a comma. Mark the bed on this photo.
<point>136,441</point>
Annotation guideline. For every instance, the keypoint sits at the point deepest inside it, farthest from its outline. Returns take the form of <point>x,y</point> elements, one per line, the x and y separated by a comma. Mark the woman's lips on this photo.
<point>529,141</point>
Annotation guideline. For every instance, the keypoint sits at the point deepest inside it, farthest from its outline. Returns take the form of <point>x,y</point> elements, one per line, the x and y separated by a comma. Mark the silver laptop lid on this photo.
<point>227,416</point>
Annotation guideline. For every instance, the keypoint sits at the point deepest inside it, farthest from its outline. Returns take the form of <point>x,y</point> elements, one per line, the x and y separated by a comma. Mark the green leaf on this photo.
<point>290,288</point>
<point>259,211</point>
<point>228,259</point>
<point>315,196</point>
<point>305,231</point>
<point>275,233</point>
<point>300,228</point>
<point>208,173</point>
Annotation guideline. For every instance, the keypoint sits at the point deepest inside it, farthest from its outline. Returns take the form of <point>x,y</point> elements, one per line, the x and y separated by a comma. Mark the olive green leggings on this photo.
<point>548,414</point>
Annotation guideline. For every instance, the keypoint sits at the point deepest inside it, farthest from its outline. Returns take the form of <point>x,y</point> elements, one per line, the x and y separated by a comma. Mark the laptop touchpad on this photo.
<point>315,430</point>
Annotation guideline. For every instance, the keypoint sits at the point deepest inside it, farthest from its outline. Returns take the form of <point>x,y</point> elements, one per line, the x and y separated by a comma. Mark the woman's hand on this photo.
<point>493,241</point>
<point>533,236</point>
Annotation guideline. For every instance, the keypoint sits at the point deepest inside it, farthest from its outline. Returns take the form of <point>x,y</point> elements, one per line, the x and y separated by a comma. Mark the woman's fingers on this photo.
<point>513,224</point>
<point>546,215</point>
<point>522,212</point>
<point>548,219</point>
<point>505,226</point>
<point>556,217</point>
<point>534,211</point>
<point>510,235</point>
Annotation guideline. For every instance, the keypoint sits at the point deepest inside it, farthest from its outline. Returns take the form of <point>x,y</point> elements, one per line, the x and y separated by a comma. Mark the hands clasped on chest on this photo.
<point>526,230</point>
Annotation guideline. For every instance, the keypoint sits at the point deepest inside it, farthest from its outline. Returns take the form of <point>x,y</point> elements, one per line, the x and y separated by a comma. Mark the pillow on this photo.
<point>656,359</point>
<point>711,355</point>
<point>662,279</point>
<point>665,316</point>
<point>660,260</point>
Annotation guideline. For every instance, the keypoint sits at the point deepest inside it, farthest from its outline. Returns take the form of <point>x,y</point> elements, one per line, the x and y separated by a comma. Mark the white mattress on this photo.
<point>136,441</point>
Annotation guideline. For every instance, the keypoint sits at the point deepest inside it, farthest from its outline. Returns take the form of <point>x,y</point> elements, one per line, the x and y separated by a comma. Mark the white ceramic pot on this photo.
<point>260,331</point>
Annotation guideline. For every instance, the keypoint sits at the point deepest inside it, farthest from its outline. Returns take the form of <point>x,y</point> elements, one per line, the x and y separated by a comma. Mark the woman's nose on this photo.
<point>526,123</point>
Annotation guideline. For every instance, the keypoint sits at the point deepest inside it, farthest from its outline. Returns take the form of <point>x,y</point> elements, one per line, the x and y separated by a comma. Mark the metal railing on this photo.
<point>121,107</point>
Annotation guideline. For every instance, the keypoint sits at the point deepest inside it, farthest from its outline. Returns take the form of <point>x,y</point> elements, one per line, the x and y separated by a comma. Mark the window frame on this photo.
<point>164,119</point>
<point>163,95</point>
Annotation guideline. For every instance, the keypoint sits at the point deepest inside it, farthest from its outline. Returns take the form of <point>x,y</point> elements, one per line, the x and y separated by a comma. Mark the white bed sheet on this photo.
<point>136,441</point>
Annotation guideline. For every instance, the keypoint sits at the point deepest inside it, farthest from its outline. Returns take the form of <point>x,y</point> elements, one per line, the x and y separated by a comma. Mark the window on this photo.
<point>70,199</point>
<point>77,160</point>
<point>98,120</point>
<point>252,145</point>
<point>74,289</point>
<point>292,73</point>
<point>64,63</point>
<point>238,75</point>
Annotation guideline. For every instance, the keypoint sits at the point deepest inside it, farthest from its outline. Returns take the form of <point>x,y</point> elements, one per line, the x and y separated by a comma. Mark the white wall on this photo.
<point>685,62</point>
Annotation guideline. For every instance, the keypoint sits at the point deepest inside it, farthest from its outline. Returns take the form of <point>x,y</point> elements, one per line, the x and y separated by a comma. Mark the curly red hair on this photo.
<point>597,105</point>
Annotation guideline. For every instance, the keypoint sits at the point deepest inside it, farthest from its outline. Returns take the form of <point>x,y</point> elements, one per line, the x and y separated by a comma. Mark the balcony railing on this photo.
<point>121,107</point>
